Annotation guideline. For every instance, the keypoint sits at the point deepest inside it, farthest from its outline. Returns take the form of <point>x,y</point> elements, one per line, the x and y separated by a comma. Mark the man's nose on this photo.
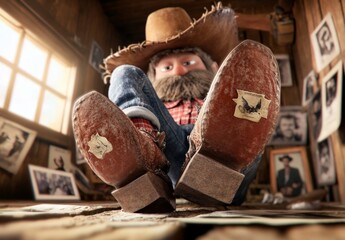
<point>180,70</point>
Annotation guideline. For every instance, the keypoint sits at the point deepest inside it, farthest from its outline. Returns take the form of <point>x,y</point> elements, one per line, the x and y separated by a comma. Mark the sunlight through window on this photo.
<point>8,41</point>
<point>52,111</point>
<point>33,59</point>
<point>24,97</point>
<point>58,76</point>
<point>5,74</point>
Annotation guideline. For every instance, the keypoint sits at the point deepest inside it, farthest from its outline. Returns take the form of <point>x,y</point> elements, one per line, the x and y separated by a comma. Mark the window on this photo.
<point>36,82</point>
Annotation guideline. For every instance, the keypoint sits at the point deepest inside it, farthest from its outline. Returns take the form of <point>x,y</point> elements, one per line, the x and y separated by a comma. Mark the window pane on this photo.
<point>52,111</point>
<point>33,59</point>
<point>58,76</point>
<point>5,74</point>
<point>8,41</point>
<point>24,97</point>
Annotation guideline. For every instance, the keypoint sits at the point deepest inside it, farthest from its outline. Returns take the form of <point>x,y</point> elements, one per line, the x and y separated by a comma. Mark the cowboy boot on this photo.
<point>129,159</point>
<point>234,125</point>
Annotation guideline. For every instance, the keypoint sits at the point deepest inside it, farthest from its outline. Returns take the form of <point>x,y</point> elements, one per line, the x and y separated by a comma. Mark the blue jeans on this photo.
<point>131,90</point>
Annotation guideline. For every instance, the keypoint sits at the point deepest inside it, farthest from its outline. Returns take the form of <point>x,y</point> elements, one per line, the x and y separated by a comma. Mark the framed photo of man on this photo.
<point>291,127</point>
<point>290,172</point>
<point>284,69</point>
<point>325,42</point>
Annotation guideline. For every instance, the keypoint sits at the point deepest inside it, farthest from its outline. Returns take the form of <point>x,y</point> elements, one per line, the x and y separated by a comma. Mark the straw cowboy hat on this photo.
<point>215,32</point>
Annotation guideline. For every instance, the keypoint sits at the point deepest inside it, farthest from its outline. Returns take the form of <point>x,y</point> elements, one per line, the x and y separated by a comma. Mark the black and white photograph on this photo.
<point>15,142</point>
<point>324,164</point>
<point>290,172</point>
<point>325,42</point>
<point>59,159</point>
<point>285,69</point>
<point>291,127</point>
<point>96,56</point>
<point>309,88</point>
<point>331,99</point>
<point>49,184</point>
<point>315,115</point>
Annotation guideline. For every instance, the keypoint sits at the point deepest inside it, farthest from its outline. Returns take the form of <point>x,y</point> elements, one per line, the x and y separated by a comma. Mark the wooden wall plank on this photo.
<point>312,12</point>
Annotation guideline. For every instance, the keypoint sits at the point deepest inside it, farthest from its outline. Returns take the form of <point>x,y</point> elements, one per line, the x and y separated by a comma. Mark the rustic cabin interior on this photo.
<point>52,53</point>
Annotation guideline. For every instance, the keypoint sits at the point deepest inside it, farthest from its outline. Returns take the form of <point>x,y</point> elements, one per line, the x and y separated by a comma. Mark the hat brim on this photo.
<point>215,32</point>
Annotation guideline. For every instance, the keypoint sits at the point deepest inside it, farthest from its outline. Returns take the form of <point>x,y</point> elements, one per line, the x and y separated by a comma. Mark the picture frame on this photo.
<point>15,142</point>
<point>325,42</point>
<point>96,56</point>
<point>79,158</point>
<point>49,184</point>
<point>295,159</point>
<point>310,87</point>
<point>331,100</point>
<point>291,128</point>
<point>324,164</point>
<point>59,159</point>
<point>284,69</point>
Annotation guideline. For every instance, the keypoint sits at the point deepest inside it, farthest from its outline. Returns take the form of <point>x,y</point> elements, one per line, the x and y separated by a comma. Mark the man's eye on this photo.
<point>187,63</point>
<point>166,68</point>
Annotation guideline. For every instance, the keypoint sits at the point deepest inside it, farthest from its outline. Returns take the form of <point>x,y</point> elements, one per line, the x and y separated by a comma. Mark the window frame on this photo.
<point>37,21</point>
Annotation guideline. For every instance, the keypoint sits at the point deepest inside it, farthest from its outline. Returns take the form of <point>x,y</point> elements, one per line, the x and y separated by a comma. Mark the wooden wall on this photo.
<point>308,15</point>
<point>76,24</point>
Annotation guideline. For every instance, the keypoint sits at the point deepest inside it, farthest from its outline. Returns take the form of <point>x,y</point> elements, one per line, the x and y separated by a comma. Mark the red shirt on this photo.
<point>184,111</point>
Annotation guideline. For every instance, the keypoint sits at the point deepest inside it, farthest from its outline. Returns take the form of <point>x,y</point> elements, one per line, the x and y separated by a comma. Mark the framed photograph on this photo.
<point>15,142</point>
<point>49,184</point>
<point>290,172</point>
<point>59,159</point>
<point>78,156</point>
<point>309,88</point>
<point>331,99</point>
<point>96,56</point>
<point>285,69</point>
<point>325,43</point>
<point>315,116</point>
<point>291,127</point>
<point>324,163</point>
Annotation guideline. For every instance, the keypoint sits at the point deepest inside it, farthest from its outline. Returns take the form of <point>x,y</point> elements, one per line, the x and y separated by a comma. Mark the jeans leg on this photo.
<point>131,90</point>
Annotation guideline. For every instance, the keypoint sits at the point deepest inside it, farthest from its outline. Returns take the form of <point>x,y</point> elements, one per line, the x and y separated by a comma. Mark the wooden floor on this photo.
<point>105,220</point>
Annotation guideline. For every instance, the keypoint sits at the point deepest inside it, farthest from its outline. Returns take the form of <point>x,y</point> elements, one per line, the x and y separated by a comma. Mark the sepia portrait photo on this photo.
<point>284,69</point>
<point>325,42</point>
<point>291,128</point>
<point>290,172</point>
<point>15,142</point>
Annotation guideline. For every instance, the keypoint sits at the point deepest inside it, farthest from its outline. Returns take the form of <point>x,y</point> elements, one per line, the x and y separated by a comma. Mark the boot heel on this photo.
<point>208,182</point>
<point>147,194</point>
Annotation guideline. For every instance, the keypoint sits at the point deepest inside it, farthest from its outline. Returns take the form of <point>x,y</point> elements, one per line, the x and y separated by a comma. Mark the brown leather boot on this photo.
<point>122,156</point>
<point>233,126</point>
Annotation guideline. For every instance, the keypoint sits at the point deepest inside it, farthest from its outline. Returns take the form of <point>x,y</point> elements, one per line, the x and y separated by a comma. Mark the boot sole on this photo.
<point>118,165</point>
<point>233,134</point>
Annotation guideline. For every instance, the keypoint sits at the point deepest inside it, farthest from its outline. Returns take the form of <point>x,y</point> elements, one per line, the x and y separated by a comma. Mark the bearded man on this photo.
<point>187,127</point>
